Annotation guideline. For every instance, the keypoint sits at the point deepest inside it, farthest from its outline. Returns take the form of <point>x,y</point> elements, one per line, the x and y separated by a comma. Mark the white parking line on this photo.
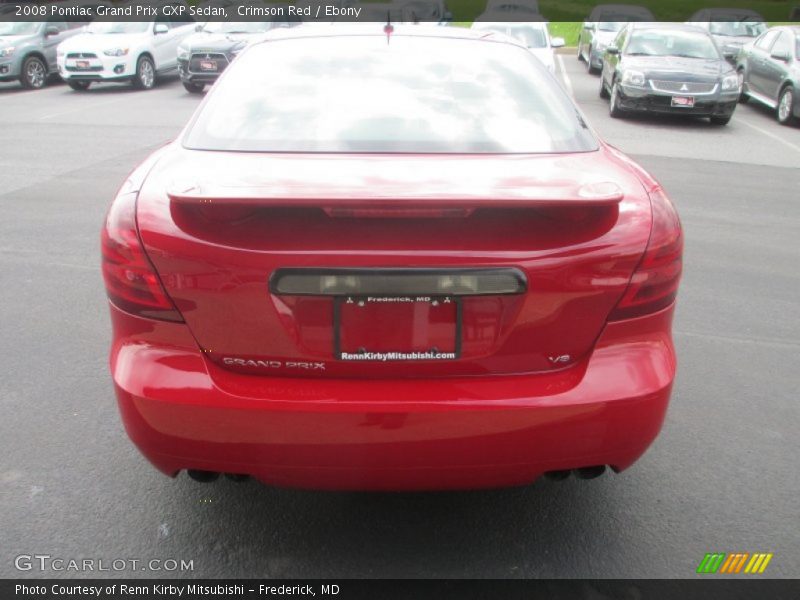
<point>564,75</point>
<point>769,134</point>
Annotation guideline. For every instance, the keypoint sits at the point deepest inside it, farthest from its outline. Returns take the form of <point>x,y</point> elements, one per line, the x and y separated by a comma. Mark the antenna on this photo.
<point>388,29</point>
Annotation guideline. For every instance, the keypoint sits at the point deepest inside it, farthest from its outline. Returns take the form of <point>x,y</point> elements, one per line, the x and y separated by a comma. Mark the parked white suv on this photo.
<point>137,52</point>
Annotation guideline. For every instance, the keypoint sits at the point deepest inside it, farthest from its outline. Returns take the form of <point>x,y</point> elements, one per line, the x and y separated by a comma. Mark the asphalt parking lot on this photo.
<point>723,475</point>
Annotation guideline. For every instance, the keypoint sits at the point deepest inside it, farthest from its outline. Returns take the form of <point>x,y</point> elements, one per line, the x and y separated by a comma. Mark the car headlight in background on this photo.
<point>7,51</point>
<point>116,52</point>
<point>634,78</point>
<point>183,53</point>
<point>730,83</point>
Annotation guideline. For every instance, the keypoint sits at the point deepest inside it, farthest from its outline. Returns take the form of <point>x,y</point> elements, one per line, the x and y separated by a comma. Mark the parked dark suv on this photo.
<point>769,71</point>
<point>203,56</point>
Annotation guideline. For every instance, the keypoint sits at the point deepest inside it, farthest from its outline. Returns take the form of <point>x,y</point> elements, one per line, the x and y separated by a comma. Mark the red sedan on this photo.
<point>391,262</point>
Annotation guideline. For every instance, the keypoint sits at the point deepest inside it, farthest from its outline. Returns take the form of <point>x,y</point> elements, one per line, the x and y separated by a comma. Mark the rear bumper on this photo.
<point>646,100</point>
<point>184,412</point>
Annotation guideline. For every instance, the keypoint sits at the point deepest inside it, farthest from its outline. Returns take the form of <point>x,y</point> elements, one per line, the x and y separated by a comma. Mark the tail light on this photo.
<point>654,284</point>
<point>131,281</point>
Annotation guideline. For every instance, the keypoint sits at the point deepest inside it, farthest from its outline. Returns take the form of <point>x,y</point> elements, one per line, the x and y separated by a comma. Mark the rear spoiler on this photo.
<point>335,199</point>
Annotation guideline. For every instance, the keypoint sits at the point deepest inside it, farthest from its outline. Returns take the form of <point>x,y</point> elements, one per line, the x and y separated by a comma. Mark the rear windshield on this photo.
<point>408,94</point>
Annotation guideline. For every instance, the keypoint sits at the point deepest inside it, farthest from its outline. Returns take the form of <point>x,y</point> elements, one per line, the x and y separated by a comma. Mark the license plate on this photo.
<point>208,65</point>
<point>392,329</point>
<point>82,64</point>
<point>683,101</point>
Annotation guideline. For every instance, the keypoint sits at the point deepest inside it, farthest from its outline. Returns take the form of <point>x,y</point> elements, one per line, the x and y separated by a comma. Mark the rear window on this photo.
<point>409,94</point>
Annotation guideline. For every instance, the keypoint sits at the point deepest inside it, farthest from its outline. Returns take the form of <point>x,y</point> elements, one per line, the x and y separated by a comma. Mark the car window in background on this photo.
<point>415,94</point>
<point>616,21</point>
<point>60,25</point>
<point>610,25</point>
<point>21,28</point>
<point>619,41</point>
<point>117,27</point>
<point>684,44</point>
<point>737,28</point>
<point>529,36</point>
<point>766,40</point>
<point>783,45</point>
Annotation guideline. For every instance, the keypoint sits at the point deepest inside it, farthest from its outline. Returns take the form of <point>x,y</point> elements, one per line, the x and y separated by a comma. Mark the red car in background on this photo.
<point>391,262</point>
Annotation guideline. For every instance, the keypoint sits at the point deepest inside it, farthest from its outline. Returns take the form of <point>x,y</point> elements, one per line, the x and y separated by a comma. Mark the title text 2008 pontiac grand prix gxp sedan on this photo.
<point>398,262</point>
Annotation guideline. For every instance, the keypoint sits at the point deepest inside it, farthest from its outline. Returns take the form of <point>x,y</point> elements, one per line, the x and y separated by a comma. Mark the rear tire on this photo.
<point>34,73</point>
<point>720,120</point>
<point>785,110</point>
<point>614,110</point>
<point>79,86</point>
<point>743,97</point>
<point>603,91</point>
<point>194,88</point>
<point>145,78</point>
<point>589,66</point>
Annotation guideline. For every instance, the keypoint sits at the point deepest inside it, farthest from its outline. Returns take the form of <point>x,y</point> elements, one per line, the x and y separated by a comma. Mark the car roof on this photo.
<point>377,30</point>
<point>630,9</point>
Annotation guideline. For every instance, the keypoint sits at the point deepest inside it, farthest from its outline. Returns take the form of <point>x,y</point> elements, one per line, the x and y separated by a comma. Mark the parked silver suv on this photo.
<point>28,50</point>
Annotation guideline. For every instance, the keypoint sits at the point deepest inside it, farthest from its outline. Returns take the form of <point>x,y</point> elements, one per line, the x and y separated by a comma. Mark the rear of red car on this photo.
<point>374,297</point>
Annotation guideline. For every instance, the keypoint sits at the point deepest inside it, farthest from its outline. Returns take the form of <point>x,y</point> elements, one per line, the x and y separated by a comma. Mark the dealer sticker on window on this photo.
<point>683,101</point>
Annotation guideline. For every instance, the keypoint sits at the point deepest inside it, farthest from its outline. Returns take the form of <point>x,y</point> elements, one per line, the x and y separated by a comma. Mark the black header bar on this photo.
<point>406,11</point>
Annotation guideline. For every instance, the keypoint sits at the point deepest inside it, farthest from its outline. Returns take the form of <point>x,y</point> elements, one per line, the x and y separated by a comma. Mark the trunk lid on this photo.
<point>430,266</point>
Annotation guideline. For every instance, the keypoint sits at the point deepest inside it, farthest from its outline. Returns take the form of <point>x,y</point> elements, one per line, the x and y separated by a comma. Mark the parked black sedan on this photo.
<point>203,57</point>
<point>668,68</point>
<point>769,71</point>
